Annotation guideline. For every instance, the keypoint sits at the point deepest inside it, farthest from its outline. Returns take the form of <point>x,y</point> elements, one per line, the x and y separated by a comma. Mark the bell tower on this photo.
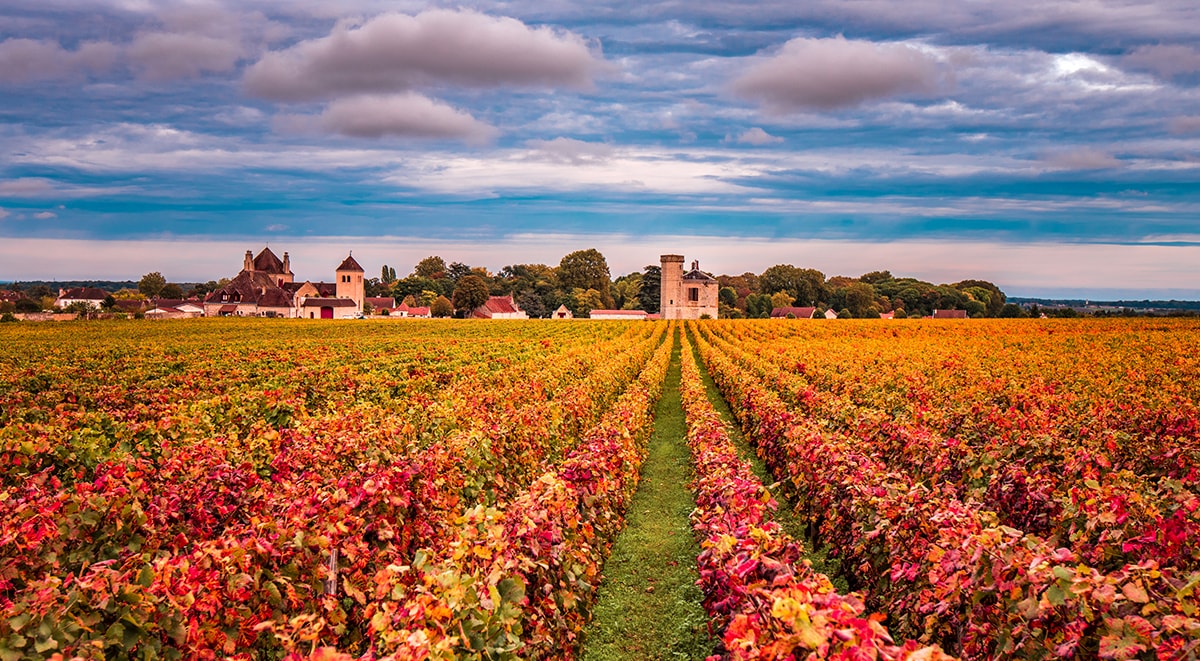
<point>350,281</point>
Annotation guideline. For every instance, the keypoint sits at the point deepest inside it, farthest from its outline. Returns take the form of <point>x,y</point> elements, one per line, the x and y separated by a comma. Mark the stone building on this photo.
<point>266,287</point>
<point>689,295</point>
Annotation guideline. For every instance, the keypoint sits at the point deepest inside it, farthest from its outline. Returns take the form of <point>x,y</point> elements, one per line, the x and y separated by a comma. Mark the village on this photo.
<point>579,288</point>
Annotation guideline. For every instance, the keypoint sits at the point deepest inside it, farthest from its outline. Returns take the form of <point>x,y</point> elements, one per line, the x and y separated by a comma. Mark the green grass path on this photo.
<point>649,606</point>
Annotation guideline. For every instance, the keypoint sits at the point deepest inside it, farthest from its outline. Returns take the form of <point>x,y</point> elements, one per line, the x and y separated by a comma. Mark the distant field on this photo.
<point>438,489</point>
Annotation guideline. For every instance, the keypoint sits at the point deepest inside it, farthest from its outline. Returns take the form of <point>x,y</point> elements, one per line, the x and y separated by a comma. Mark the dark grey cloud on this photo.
<point>30,60</point>
<point>396,52</point>
<point>162,56</point>
<point>1165,61</point>
<point>825,74</point>
<point>408,115</point>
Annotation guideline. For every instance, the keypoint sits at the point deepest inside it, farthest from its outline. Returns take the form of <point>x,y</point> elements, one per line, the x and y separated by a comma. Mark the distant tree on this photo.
<point>441,307</point>
<point>994,299</point>
<point>7,306</point>
<point>532,304</point>
<point>127,294</point>
<point>781,299</point>
<point>428,297</point>
<point>758,306</point>
<point>899,313</point>
<point>975,309</point>
<point>844,313</point>
<point>410,301</point>
<point>387,275</point>
<point>432,267</point>
<point>470,293</point>
<point>586,269</point>
<point>27,305</point>
<point>171,290</point>
<point>1012,311</point>
<point>109,302</point>
<point>457,271</point>
<point>727,296</point>
<point>876,277</point>
<point>38,292</point>
<point>151,284</point>
<point>625,291</point>
<point>807,286</point>
<point>7,318</point>
<point>650,294</point>
<point>859,297</point>
<point>581,302</point>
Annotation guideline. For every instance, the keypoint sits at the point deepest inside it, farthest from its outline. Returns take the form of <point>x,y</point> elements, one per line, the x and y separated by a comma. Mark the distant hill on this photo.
<point>1134,305</point>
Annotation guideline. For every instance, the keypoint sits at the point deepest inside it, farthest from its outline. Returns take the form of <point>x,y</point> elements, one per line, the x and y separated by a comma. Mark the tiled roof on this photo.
<point>697,274</point>
<point>949,314</point>
<point>495,305</point>
<point>252,287</point>
<point>329,303</point>
<point>798,313</point>
<point>268,262</point>
<point>85,294</point>
<point>381,301</point>
<point>350,265</point>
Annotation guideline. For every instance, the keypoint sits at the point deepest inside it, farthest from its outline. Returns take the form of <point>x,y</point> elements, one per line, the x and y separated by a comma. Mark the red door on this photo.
<point>327,312</point>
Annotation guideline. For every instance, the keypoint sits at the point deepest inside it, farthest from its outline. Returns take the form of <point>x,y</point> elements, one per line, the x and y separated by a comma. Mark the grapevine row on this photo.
<point>944,570</point>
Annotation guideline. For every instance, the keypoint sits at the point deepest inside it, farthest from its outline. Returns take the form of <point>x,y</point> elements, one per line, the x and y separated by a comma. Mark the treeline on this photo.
<point>866,297</point>
<point>582,282</point>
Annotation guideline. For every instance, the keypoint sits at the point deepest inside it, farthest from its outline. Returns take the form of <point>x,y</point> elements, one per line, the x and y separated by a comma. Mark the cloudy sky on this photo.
<point>1051,147</point>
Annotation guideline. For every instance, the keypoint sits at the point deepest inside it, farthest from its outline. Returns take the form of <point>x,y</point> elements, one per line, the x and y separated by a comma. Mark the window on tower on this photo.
<point>693,294</point>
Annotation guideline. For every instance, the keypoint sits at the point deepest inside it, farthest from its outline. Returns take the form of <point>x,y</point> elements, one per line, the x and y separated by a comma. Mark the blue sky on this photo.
<point>1051,147</point>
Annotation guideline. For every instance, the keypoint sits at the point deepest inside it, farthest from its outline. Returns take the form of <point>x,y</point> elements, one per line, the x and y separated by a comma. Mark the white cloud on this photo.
<point>1082,158</point>
<point>569,151</point>
<point>4,214</point>
<point>827,74</point>
<point>40,187</point>
<point>276,227</point>
<point>45,215</point>
<point>29,60</point>
<point>755,136</point>
<point>397,52</point>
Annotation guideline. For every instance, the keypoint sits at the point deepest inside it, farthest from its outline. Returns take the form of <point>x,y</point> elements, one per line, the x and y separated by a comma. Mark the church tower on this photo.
<point>350,282</point>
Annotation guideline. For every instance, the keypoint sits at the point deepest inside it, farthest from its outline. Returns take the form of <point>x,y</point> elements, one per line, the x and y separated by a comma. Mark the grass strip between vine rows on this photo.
<point>649,605</point>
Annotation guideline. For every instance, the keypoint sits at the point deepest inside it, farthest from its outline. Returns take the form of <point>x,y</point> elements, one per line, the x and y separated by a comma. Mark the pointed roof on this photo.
<point>697,274</point>
<point>350,265</point>
<point>267,262</point>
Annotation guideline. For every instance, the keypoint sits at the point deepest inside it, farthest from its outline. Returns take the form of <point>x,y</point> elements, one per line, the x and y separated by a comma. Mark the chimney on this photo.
<point>287,263</point>
<point>695,265</point>
<point>248,263</point>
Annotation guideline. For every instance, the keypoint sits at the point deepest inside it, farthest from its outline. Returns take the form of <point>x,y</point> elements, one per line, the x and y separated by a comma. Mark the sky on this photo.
<point>1053,148</point>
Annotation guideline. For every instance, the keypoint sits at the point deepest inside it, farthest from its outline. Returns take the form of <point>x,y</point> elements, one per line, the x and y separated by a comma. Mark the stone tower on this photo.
<point>687,295</point>
<point>350,281</point>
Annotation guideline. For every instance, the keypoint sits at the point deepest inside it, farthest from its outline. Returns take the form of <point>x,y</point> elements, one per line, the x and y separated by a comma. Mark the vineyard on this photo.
<point>258,489</point>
